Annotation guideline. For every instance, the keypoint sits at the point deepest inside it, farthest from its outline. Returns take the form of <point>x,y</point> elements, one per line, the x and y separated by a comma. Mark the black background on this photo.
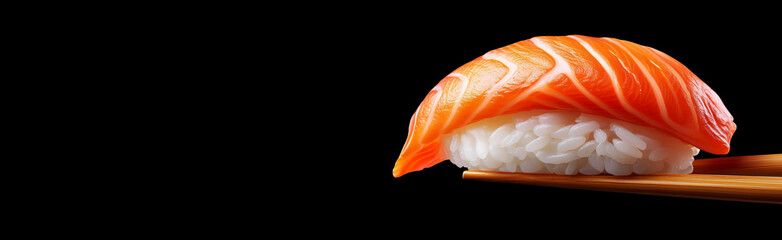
<point>391,61</point>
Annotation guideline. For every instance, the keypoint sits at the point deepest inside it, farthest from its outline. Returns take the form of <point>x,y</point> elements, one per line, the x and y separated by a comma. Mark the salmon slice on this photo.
<point>601,76</point>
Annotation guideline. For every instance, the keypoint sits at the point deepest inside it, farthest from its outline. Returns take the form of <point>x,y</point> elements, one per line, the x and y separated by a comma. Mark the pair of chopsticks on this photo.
<point>755,178</point>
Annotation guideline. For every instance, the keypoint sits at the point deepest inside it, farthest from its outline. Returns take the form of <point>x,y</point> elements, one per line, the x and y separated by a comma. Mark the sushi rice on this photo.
<point>566,142</point>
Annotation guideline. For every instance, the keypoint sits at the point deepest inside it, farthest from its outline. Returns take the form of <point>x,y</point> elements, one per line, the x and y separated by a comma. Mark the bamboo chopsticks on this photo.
<point>755,165</point>
<point>704,183</point>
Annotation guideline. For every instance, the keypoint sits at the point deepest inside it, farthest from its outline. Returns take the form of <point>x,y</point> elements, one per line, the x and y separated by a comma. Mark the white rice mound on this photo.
<point>566,142</point>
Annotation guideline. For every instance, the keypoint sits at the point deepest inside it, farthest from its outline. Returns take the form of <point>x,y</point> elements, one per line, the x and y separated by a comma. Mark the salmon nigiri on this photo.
<point>568,105</point>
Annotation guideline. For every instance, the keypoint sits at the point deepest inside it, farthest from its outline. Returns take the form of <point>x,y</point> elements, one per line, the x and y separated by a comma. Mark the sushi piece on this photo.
<point>568,105</point>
